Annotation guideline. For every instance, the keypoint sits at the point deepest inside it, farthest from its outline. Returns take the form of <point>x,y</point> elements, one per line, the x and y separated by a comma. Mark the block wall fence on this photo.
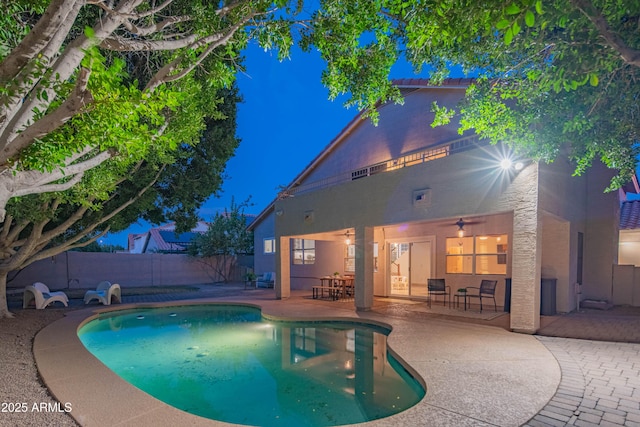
<point>83,270</point>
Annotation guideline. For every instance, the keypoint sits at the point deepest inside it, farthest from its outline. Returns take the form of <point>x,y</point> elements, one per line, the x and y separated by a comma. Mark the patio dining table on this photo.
<point>336,287</point>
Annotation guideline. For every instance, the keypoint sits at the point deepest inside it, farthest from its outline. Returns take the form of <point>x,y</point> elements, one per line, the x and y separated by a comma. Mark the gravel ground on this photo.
<point>25,400</point>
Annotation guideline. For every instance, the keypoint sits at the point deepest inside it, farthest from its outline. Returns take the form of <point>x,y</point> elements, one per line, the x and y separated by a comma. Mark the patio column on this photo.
<point>526,267</point>
<point>283,269</point>
<point>364,268</point>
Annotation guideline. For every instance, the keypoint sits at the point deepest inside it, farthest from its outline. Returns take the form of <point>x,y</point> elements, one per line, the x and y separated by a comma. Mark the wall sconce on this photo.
<point>460,224</point>
<point>279,212</point>
<point>347,240</point>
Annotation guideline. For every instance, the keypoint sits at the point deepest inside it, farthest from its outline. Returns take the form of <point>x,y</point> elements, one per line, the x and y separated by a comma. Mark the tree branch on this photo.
<point>58,12</point>
<point>165,73</point>
<point>629,55</point>
<point>19,85</point>
<point>121,44</point>
<point>145,31</point>
<point>76,102</point>
<point>70,243</point>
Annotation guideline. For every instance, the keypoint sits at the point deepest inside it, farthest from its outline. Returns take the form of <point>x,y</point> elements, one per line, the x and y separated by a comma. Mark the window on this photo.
<point>269,245</point>
<point>304,251</point>
<point>477,255</point>
<point>460,255</point>
<point>350,258</point>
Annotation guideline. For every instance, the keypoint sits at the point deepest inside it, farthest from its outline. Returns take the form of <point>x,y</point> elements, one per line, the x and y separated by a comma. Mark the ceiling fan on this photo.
<point>460,224</point>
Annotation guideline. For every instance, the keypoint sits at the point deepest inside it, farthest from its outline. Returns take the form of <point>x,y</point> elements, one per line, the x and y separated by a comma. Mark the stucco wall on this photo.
<point>401,129</point>
<point>601,236</point>
<point>264,230</point>
<point>329,259</point>
<point>556,256</point>
<point>629,248</point>
<point>580,202</point>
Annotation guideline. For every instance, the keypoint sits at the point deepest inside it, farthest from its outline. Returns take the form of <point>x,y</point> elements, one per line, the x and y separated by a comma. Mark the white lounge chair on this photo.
<point>104,293</point>
<point>40,295</point>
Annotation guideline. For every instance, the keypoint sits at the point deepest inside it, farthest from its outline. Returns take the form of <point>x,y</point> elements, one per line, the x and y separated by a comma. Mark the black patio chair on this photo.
<point>487,289</point>
<point>437,287</point>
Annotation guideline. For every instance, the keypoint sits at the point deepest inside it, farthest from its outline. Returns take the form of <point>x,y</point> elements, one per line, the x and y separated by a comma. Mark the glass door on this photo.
<point>410,265</point>
<point>399,268</point>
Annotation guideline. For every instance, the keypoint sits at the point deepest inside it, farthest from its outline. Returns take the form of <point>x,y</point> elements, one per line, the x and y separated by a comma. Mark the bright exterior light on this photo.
<point>506,164</point>
<point>460,224</point>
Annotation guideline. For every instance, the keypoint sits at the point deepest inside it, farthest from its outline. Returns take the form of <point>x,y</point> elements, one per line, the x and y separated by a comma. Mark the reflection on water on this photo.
<point>226,363</point>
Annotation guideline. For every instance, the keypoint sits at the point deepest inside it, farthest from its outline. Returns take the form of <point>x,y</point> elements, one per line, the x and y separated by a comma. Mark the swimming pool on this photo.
<point>226,362</point>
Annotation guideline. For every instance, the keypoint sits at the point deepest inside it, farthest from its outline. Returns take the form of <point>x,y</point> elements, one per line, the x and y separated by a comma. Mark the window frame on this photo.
<point>273,245</point>
<point>501,254</point>
<point>303,250</point>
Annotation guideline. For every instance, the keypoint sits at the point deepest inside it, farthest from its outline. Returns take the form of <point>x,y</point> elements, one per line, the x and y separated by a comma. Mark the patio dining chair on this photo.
<point>486,290</point>
<point>437,287</point>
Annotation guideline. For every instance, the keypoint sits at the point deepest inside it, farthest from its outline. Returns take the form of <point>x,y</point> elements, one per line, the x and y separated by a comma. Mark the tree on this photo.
<point>225,239</point>
<point>553,75</point>
<point>157,189</point>
<point>66,105</point>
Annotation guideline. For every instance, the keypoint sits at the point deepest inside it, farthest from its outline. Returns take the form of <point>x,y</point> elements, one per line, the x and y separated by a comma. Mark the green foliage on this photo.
<point>551,72</point>
<point>553,75</point>
<point>227,234</point>
<point>99,247</point>
<point>16,17</point>
<point>179,184</point>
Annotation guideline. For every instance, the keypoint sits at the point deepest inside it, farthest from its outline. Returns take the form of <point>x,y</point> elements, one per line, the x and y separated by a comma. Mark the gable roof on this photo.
<point>405,85</point>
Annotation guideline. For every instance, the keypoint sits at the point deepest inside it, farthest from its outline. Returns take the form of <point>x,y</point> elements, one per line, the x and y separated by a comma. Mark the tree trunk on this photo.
<point>4,308</point>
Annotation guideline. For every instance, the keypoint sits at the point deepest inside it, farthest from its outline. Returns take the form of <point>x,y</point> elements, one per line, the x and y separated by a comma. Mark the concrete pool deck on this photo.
<point>475,375</point>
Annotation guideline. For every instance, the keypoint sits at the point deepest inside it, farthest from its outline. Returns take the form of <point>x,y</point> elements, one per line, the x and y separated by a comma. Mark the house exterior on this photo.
<point>417,202</point>
<point>164,239</point>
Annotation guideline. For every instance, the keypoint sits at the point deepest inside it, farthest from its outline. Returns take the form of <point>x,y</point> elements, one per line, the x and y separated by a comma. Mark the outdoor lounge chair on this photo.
<point>267,280</point>
<point>437,287</point>
<point>40,295</point>
<point>104,293</point>
<point>487,289</point>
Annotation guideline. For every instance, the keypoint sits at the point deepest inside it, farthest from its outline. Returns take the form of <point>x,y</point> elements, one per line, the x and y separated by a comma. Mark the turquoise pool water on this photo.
<point>227,363</point>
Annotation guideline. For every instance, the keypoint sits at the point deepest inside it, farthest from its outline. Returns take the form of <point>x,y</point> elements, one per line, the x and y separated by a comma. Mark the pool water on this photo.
<point>227,363</point>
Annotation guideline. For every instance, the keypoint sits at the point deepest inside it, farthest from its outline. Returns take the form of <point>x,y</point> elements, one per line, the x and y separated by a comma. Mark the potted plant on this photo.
<point>336,274</point>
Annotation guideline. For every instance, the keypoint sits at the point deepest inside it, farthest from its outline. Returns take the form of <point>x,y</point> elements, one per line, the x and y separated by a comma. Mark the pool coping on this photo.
<point>474,374</point>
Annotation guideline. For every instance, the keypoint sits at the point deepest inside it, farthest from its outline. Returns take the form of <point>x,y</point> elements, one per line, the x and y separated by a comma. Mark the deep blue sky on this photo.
<point>286,119</point>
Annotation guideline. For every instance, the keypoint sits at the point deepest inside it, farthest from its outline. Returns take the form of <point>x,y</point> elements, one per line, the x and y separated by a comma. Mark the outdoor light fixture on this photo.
<point>460,224</point>
<point>508,164</point>
<point>347,241</point>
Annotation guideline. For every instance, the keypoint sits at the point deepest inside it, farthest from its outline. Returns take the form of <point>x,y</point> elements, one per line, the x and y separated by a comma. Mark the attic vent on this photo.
<point>360,173</point>
<point>378,168</point>
<point>371,170</point>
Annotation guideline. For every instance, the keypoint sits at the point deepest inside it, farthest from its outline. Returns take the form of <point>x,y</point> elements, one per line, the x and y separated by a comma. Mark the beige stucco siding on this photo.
<point>401,129</point>
<point>463,184</point>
